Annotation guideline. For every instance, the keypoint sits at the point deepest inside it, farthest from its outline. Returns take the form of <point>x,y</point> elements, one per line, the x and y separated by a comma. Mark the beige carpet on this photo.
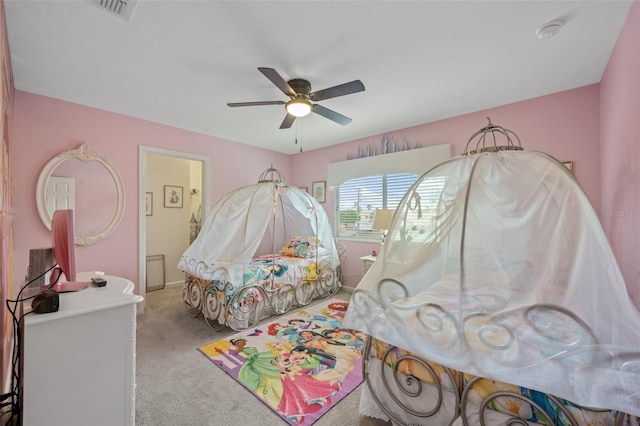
<point>177,386</point>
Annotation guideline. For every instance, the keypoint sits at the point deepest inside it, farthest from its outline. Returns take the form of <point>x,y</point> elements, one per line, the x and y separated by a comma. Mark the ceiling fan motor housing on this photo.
<point>301,87</point>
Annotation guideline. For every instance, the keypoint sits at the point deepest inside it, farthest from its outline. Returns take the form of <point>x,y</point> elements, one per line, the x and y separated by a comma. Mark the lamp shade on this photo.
<point>382,218</point>
<point>298,107</point>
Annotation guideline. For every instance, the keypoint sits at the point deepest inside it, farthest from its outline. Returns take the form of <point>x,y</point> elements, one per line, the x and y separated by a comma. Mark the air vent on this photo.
<point>121,8</point>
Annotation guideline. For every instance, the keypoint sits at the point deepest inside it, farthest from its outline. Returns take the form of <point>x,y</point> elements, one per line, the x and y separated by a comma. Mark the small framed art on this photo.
<point>318,190</point>
<point>568,165</point>
<point>148,203</point>
<point>173,196</point>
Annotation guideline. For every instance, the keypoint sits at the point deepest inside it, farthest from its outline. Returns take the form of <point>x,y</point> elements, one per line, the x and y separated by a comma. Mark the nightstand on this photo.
<point>367,261</point>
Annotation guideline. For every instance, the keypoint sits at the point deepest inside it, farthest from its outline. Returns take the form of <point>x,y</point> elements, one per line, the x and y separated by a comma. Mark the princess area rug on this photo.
<point>299,365</point>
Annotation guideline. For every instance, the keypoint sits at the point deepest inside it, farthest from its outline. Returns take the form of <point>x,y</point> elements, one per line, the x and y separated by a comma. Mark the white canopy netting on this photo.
<point>496,264</point>
<point>255,220</point>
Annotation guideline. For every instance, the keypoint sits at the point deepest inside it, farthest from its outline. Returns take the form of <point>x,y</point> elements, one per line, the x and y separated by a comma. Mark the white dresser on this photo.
<point>79,362</point>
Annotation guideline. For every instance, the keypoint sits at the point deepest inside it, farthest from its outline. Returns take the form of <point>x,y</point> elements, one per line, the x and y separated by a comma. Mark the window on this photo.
<point>422,212</point>
<point>370,183</point>
<point>357,200</point>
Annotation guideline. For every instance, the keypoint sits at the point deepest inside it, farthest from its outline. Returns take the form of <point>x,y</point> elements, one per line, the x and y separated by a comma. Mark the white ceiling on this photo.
<point>180,62</point>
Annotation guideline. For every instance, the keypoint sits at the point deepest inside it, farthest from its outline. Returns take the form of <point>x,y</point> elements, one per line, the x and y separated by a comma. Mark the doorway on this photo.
<point>159,206</point>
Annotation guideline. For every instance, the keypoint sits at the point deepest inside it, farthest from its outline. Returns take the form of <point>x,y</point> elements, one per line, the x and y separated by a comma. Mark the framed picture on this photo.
<point>173,196</point>
<point>148,203</point>
<point>318,190</point>
<point>568,165</point>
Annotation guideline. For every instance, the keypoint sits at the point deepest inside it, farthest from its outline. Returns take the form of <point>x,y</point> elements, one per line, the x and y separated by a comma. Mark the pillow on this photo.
<point>301,247</point>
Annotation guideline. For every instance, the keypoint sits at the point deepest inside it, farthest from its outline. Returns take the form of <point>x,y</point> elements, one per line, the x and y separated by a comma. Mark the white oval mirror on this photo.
<point>83,154</point>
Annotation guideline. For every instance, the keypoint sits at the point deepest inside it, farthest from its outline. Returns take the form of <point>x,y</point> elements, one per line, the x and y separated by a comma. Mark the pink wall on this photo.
<point>45,127</point>
<point>564,125</point>
<point>620,151</point>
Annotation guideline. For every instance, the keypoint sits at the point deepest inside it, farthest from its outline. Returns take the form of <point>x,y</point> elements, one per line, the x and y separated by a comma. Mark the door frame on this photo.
<point>142,183</point>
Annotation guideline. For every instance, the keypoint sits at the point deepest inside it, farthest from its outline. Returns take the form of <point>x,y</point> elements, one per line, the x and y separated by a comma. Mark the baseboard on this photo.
<point>347,289</point>
<point>174,284</point>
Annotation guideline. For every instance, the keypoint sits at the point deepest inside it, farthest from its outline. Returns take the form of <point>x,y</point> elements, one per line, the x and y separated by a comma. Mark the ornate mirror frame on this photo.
<point>85,154</point>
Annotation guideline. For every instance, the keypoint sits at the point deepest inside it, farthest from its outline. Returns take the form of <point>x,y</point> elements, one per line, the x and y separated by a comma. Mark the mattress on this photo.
<point>269,284</point>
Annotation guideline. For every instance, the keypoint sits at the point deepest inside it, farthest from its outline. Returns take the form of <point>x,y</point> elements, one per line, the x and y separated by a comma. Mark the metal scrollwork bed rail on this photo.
<point>398,394</point>
<point>247,305</point>
<point>404,385</point>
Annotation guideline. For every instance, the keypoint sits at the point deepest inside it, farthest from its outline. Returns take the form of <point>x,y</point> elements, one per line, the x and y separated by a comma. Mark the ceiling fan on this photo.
<point>301,96</point>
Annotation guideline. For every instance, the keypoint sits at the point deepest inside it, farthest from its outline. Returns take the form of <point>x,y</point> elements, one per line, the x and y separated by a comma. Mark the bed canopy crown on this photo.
<point>256,219</point>
<point>271,175</point>
<point>496,264</point>
<point>494,133</point>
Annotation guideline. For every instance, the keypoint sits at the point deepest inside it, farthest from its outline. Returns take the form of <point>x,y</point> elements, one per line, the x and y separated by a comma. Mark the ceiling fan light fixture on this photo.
<point>298,107</point>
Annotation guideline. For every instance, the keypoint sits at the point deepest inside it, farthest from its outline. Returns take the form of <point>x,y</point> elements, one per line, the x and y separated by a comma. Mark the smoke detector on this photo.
<point>121,8</point>
<point>549,29</point>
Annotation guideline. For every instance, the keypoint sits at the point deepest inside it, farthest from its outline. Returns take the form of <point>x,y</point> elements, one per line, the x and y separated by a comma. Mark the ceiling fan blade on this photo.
<point>330,114</point>
<point>276,79</point>
<point>288,121</point>
<point>242,104</point>
<point>354,86</point>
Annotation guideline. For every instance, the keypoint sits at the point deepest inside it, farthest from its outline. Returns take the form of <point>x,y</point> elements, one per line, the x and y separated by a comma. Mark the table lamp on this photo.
<point>382,220</point>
